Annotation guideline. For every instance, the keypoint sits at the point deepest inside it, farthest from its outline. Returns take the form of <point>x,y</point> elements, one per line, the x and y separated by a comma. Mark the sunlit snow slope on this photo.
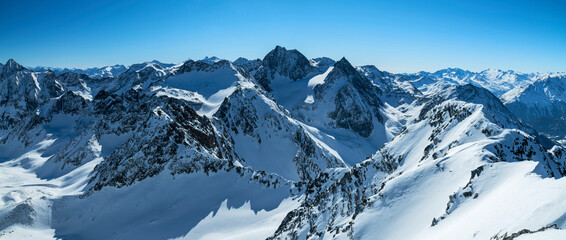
<point>283,147</point>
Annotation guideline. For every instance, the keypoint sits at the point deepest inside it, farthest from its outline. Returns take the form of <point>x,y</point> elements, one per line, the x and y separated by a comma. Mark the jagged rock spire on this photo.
<point>289,63</point>
<point>11,66</point>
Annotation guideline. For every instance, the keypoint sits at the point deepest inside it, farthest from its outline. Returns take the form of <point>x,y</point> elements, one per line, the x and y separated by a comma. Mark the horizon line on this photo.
<point>127,66</point>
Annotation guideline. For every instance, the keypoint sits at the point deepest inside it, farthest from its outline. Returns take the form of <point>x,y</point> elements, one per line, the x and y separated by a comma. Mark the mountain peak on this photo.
<point>12,66</point>
<point>323,61</point>
<point>210,60</point>
<point>241,60</point>
<point>139,66</point>
<point>475,94</point>
<point>342,62</point>
<point>452,70</point>
<point>289,63</point>
<point>11,62</point>
<point>468,91</point>
<point>371,67</point>
<point>281,52</point>
<point>279,48</point>
<point>344,71</point>
<point>345,66</point>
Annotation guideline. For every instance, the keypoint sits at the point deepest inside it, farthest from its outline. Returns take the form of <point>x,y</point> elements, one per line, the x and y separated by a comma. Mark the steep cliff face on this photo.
<point>541,104</point>
<point>356,101</point>
<point>268,139</point>
<point>281,62</point>
<point>169,134</point>
<point>544,98</point>
<point>23,91</point>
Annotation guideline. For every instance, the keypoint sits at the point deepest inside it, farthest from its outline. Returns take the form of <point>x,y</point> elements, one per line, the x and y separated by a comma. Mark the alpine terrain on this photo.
<point>283,147</point>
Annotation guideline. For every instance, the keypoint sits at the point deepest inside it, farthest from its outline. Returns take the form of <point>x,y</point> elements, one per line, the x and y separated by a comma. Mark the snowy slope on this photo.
<point>345,109</point>
<point>533,97</point>
<point>211,81</point>
<point>268,139</point>
<point>328,98</point>
<point>409,182</point>
<point>95,147</point>
<point>542,104</point>
<point>210,60</point>
<point>543,98</point>
<point>97,72</point>
<point>282,148</point>
<point>396,89</point>
<point>156,209</point>
<point>496,81</point>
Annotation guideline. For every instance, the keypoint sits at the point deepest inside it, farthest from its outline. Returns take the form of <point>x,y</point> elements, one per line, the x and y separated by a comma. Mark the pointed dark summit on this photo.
<point>343,68</point>
<point>11,66</point>
<point>344,65</point>
<point>288,63</point>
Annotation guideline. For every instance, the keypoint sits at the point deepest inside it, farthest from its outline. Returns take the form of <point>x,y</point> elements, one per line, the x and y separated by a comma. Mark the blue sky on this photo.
<point>397,36</point>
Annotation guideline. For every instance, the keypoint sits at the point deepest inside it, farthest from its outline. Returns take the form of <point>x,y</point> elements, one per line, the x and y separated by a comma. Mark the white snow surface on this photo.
<point>433,189</point>
<point>210,87</point>
<point>158,209</point>
<point>26,202</point>
<point>497,81</point>
<point>240,223</point>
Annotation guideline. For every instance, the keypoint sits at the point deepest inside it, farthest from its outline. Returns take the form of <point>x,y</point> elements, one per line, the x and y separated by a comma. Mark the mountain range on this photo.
<point>283,147</point>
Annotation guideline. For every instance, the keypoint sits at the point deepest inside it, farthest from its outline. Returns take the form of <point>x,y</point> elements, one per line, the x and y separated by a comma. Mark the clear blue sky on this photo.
<point>398,36</point>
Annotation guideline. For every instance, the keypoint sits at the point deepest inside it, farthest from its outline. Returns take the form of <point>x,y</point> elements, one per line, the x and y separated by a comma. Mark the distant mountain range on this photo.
<point>283,147</point>
<point>496,81</point>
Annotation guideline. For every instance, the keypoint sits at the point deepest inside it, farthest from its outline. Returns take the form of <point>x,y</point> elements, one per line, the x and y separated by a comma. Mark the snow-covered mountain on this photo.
<point>536,98</point>
<point>100,72</point>
<point>443,177</point>
<point>96,72</point>
<point>541,104</point>
<point>284,147</point>
<point>210,60</point>
<point>495,80</point>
